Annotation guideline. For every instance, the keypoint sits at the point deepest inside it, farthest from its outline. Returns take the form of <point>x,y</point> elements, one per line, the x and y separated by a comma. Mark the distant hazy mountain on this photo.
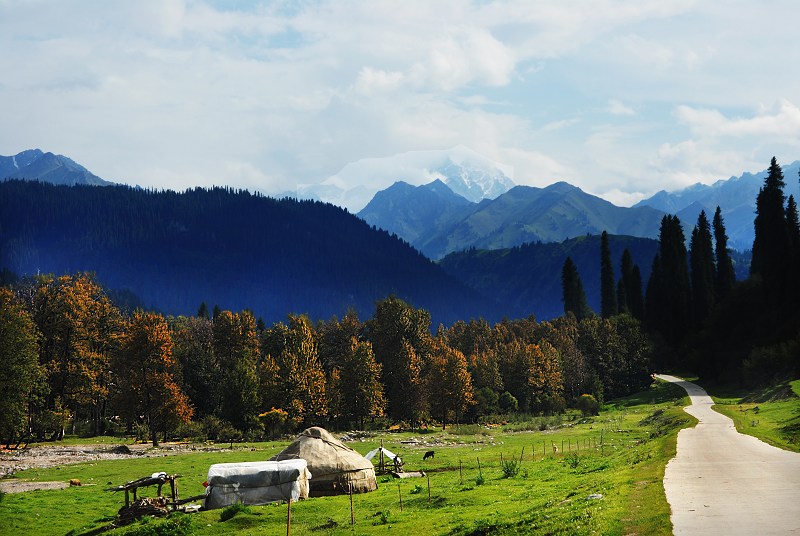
<point>467,173</point>
<point>528,278</point>
<point>437,223</point>
<point>736,197</point>
<point>414,212</point>
<point>47,167</point>
<point>226,247</point>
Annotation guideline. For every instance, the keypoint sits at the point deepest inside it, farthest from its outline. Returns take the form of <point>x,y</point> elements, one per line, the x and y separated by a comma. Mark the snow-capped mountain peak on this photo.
<point>465,171</point>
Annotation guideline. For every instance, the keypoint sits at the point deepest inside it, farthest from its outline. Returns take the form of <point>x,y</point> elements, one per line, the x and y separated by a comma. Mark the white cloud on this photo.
<point>176,93</point>
<point>783,119</point>
<point>615,107</point>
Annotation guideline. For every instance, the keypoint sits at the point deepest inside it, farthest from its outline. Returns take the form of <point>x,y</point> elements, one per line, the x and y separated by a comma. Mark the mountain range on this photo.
<point>232,248</point>
<point>34,164</point>
<point>437,221</point>
<point>736,197</point>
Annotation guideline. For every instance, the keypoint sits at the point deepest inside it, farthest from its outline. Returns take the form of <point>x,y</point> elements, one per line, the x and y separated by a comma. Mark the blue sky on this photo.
<point>621,98</point>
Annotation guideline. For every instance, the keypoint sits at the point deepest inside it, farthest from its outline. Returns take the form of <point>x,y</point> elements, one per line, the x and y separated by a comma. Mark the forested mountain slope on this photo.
<point>528,277</point>
<point>226,247</point>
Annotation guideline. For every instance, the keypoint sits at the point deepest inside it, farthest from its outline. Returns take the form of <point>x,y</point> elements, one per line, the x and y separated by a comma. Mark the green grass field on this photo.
<point>620,455</point>
<point>771,414</point>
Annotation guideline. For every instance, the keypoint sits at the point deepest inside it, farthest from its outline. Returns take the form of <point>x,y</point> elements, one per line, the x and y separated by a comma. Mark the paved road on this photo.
<point>724,482</point>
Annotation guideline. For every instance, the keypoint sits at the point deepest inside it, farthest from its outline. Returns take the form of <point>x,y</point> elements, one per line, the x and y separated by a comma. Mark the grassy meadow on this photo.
<point>619,455</point>
<point>771,414</point>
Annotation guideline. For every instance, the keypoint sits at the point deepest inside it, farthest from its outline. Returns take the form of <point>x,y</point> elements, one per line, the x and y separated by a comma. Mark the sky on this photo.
<point>621,98</point>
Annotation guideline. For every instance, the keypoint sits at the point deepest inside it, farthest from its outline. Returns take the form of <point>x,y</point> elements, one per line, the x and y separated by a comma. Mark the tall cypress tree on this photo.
<point>771,243</point>
<point>608,294</point>
<point>725,275</point>
<point>793,273</point>
<point>668,289</point>
<point>632,283</point>
<point>573,293</point>
<point>702,274</point>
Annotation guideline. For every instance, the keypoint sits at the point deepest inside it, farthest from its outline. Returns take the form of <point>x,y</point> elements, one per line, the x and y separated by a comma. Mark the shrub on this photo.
<point>230,511</point>
<point>510,467</point>
<point>176,525</point>
<point>572,459</point>
<point>588,405</point>
<point>508,402</point>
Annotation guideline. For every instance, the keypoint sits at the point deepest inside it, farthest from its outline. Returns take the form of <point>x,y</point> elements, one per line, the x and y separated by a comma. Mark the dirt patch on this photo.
<point>19,486</point>
<point>44,456</point>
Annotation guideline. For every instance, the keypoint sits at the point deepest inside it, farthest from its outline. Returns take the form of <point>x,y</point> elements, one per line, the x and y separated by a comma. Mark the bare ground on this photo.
<point>44,456</point>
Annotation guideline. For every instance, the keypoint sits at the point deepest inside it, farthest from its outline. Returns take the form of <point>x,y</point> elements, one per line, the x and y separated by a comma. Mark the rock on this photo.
<point>594,496</point>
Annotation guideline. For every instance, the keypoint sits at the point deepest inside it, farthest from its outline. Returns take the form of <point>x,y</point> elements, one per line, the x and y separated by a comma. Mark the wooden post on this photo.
<point>569,444</point>
<point>289,517</point>
<point>544,449</point>
<point>521,454</point>
<point>460,473</point>
<point>480,474</point>
<point>429,489</point>
<point>562,445</point>
<point>400,495</point>
<point>352,513</point>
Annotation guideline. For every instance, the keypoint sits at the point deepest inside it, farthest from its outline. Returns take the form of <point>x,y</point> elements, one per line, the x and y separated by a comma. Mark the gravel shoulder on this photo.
<point>724,482</point>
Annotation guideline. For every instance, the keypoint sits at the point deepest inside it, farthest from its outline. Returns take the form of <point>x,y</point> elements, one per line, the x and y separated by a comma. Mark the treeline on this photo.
<point>73,362</point>
<point>698,316</point>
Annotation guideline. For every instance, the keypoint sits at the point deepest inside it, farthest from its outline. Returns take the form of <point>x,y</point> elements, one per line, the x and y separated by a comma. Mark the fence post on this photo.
<point>460,474</point>
<point>289,517</point>
<point>429,489</point>
<point>352,513</point>
<point>400,495</point>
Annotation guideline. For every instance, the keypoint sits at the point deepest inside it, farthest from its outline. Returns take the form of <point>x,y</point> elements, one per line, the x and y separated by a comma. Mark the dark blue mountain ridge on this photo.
<point>226,247</point>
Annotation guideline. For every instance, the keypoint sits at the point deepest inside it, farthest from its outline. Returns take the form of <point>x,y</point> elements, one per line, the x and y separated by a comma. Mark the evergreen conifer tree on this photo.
<point>725,277</point>
<point>608,294</point>
<point>702,274</point>
<point>632,283</point>
<point>573,293</point>
<point>668,289</point>
<point>771,243</point>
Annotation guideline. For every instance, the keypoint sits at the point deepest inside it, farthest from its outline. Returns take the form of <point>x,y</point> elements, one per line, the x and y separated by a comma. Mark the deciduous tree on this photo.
<point>20,373</point>
<point>145,373</point>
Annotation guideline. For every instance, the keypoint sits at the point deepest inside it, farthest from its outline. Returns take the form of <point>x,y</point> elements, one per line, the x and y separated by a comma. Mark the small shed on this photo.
<point>256,483</point>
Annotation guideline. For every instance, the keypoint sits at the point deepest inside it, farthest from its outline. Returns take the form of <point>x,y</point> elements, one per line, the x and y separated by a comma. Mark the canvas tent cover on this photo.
<point>386,453</point>
<point>336,467</point>
<point>256,483</point>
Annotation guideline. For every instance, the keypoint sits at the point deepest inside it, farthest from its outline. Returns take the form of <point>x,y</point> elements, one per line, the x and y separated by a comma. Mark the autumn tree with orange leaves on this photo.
<point>80,328</point>
<point>145,372</point>
<point>291,374</point>
<point>449,383</point>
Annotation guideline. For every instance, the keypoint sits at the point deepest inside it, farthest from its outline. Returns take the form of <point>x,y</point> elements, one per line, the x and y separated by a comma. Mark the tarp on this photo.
<point>256,483</point>
<point>336,467</point>
<point>386,453</point>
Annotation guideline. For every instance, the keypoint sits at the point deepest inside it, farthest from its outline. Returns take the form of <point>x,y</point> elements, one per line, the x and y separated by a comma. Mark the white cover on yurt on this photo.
<point>336,467</point>
<point>256,483</point>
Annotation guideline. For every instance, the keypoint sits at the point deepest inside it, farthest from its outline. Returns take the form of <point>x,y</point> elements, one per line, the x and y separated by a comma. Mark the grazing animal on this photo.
<point>430,454</point>
<point>555,449</point>
<point>74,482</point>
